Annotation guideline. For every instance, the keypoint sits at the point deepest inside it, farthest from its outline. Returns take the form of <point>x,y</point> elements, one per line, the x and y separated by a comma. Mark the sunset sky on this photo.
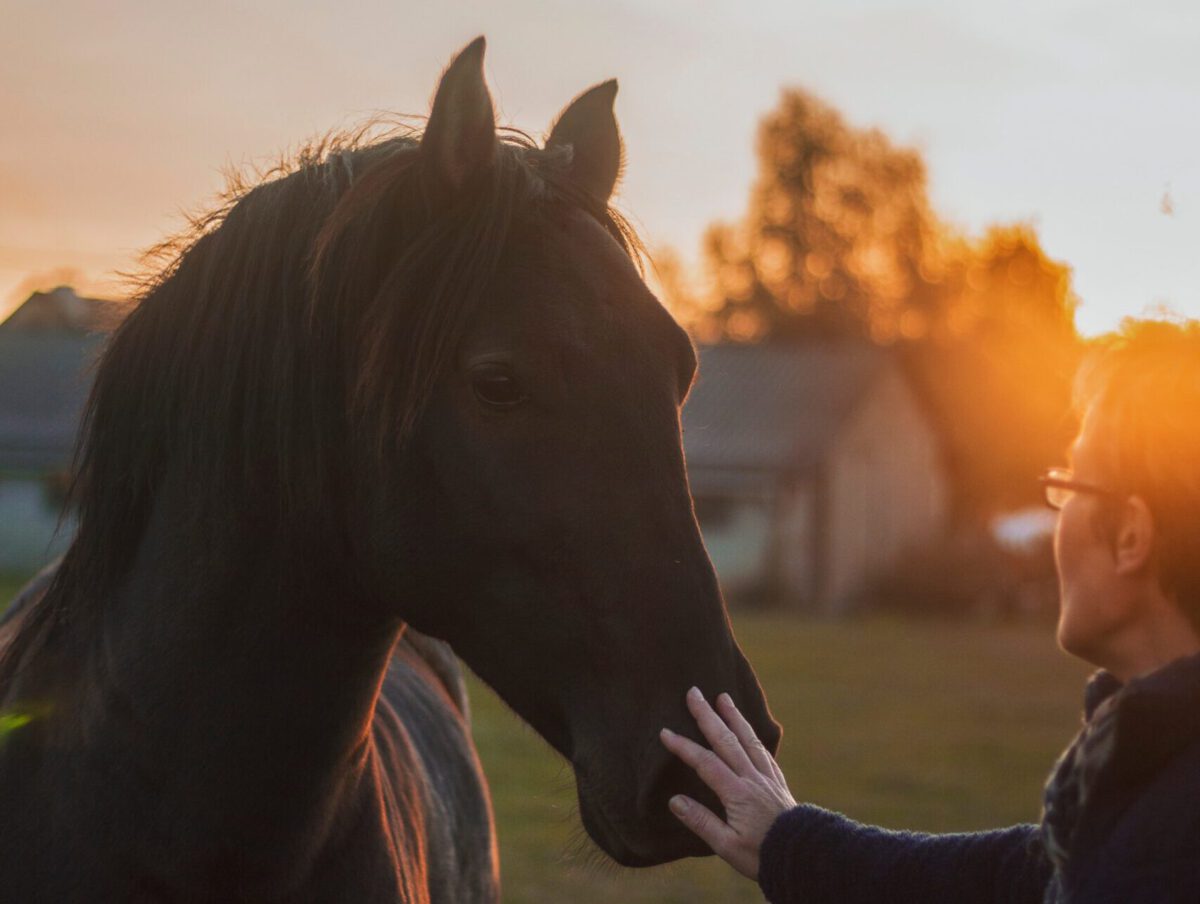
<point>1081,117</point>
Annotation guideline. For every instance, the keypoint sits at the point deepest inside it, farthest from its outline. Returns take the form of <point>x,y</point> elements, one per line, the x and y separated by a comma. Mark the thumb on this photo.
<point>702,821</point>
<point>714,831</point>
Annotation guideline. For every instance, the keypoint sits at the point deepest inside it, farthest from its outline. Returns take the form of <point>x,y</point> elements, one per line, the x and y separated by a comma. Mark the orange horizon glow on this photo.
<point>1069,119</point>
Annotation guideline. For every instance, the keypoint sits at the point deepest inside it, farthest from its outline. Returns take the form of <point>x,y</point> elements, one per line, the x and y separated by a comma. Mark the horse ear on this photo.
<point>590,128</point>
<point>460,140</point>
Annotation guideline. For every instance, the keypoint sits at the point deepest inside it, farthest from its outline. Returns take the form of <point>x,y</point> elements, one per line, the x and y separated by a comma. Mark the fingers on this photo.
<point>752,792</point>
<point>724,742</point>
<point>702,821</point>
<point>713,831</point>
<point>755,750</point>
<point>711,769</point>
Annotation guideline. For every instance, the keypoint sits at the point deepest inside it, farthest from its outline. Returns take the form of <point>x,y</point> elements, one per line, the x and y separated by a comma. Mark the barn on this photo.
<point>814,468</point>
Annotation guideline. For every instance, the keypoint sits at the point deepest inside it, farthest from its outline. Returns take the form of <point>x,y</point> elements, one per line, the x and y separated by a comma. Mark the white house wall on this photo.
<point>886,489</point>
<point>795,537</point>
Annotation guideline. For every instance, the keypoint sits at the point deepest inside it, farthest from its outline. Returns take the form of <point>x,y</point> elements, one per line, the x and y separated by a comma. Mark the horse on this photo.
<point>410,387</point>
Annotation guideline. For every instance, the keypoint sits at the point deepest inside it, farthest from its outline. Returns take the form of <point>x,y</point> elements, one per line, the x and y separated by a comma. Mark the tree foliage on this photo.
<point>837,231</point>
<point>839,239</point>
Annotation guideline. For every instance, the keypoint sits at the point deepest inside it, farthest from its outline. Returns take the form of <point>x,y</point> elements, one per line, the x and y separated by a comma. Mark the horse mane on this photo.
<point>312,310</point>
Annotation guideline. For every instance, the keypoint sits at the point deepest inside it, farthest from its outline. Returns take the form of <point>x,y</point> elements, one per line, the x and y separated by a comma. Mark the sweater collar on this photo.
<point>1157,715</point>
<point>1130,734</point>
<point>1099,688</point>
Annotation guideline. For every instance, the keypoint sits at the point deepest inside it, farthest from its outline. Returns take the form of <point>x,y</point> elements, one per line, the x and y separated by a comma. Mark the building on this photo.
<point>813,468</point>
<point>45,353</point>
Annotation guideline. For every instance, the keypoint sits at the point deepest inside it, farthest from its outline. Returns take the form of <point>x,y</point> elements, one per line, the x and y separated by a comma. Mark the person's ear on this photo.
<point>1136,538</point>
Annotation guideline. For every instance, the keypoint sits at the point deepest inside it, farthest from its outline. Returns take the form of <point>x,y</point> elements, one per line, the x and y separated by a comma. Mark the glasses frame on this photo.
<point>1063,479</point>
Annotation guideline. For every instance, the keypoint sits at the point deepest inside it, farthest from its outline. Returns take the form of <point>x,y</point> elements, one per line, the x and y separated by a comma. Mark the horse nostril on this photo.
<point>765,727</point>
<point>771,734</point>
<point>755,710</point>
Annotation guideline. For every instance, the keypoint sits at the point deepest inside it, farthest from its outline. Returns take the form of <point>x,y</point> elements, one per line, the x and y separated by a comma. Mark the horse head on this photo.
<point>538,515</point>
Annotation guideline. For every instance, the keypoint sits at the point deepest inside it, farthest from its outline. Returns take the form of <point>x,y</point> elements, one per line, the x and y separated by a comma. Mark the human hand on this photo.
<point>742,773</point>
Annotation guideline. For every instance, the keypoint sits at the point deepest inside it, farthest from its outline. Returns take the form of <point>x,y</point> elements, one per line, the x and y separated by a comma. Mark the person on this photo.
<point>1121,810</point>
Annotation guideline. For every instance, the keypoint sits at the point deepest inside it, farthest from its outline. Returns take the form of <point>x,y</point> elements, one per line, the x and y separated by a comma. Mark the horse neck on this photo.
<point>236,691</point>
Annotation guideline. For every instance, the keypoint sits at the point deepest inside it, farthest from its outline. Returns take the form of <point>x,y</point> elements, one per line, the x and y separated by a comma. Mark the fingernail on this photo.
<point>678,804</point>
<point>726,699</point>
<point>695,694</point>
<point>667,733</point>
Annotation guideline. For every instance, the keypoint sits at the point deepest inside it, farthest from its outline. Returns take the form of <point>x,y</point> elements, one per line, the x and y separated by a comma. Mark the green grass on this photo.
<point>937,727</point>
<point>923,726</point>
<point>10,583</point>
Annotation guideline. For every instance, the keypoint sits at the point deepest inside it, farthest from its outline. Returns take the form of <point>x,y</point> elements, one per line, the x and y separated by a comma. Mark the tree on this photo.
<point>839,239</point>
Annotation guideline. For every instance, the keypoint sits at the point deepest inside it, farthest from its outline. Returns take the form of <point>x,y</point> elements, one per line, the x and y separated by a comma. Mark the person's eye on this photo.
<point>496,387</point>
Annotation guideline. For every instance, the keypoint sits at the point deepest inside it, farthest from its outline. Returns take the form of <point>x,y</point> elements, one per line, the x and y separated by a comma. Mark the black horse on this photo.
<point>411,382</point>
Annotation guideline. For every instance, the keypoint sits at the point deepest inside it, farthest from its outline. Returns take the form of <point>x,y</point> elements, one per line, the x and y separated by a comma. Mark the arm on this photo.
<point>812,855</point>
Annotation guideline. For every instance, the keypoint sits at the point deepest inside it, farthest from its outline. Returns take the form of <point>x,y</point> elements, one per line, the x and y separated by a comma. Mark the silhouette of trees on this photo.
<point>837,231</point>
<point>839,239</point>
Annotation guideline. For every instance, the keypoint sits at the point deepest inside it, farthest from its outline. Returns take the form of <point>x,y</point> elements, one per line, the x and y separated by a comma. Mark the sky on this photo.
<point>1080,117</point>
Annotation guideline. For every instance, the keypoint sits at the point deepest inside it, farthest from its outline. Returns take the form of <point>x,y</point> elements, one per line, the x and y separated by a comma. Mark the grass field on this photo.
<point>938,727</point>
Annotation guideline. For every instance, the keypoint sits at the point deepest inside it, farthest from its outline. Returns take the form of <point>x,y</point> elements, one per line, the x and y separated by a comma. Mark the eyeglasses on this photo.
<point>1059,485</point>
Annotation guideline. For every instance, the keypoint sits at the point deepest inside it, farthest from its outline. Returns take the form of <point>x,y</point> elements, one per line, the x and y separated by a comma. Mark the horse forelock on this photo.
<point>323,298</point>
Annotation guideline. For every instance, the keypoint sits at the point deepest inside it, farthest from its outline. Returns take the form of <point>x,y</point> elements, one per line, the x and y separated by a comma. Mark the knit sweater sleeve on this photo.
<point>814,856</point>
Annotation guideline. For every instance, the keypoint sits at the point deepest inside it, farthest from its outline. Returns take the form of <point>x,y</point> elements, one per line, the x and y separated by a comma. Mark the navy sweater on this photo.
<point>815,856</point>
<point>1133,835</point>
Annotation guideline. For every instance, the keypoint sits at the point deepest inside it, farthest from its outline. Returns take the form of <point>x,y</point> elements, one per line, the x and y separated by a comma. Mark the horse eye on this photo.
<point>496,387</point>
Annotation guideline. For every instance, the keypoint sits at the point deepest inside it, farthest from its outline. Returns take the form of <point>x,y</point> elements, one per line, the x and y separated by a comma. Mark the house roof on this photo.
<point>44,382</point>
<point>60,310</point>
<point>770,408</point>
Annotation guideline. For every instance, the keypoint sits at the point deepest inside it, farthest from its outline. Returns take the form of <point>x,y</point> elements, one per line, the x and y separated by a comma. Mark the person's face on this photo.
<point>1092,609</point>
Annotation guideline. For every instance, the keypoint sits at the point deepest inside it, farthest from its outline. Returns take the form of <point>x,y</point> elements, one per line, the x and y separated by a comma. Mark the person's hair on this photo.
<point>1142,387</point>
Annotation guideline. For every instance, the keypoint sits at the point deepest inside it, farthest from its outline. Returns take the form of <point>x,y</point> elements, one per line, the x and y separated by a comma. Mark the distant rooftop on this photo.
<point>770,408</point>
<point>60,310</point>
